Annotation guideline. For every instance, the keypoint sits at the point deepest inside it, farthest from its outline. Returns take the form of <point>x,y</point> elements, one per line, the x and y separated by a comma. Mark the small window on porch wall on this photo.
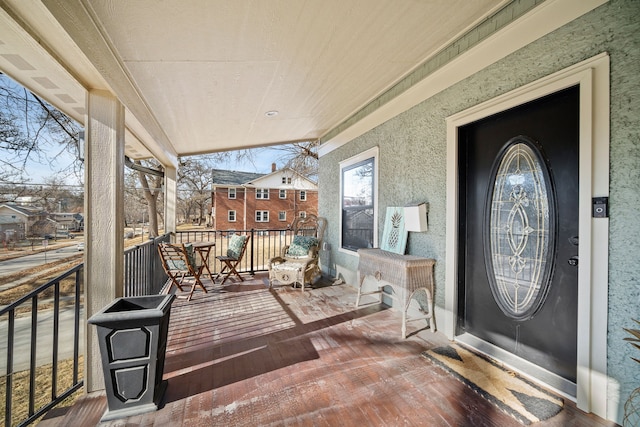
<point>262,216</point>
<point>231,216</point>
<point>262,193</point>
<point>358,194</point>
<point>303,214</point>
<point>282,216</point>
<point>232,193</point>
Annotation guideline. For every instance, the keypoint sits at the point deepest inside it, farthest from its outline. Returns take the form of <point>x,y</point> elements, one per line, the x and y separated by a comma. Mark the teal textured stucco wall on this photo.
<point>412,165</point>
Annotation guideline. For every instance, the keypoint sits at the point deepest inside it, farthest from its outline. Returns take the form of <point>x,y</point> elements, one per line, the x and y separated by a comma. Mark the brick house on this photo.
<point>244,201</point>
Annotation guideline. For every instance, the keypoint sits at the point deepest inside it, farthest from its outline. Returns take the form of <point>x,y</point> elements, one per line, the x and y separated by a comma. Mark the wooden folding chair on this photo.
<point>179,262</point>
<point>235,252</point>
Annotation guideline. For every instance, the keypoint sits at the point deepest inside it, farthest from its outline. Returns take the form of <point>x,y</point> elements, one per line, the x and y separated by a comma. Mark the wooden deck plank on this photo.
<point>246,355</point>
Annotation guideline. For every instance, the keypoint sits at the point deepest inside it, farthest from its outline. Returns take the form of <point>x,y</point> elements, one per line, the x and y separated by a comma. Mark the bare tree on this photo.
<point>151,190</point>
<point>302,157</point>
<point>194,181</point>
<point>32,130</point>
<point>134,201</point>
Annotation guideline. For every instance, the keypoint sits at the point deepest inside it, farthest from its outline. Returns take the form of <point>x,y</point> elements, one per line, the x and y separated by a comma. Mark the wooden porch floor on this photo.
<point>250,356</point>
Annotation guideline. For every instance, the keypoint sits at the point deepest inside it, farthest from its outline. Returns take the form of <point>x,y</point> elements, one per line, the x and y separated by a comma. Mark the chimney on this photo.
<point>273,167</point>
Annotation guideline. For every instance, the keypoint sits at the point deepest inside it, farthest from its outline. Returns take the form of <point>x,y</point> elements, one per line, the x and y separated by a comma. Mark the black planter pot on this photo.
<point>132,334</point>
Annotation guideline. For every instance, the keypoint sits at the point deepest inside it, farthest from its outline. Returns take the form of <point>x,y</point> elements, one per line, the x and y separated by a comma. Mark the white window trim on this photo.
<point>282,217</point>
<point>375,153</point>
<point>282,194</point>
<point>303,198</point>
<point>262,192</point>
<point>235,215</point>
<point>232,190</point>
<point>262,216</point>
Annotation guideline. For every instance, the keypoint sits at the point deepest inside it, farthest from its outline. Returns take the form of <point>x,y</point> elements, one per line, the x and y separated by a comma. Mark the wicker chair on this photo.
<point>299,260</point>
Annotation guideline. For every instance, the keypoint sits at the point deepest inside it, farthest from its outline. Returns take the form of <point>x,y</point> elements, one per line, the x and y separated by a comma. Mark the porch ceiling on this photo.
<point>198,76</point>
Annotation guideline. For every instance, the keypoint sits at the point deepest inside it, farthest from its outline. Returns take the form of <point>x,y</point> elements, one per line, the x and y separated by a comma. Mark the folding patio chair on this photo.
<point>179,262</point>
<point>235,252</point>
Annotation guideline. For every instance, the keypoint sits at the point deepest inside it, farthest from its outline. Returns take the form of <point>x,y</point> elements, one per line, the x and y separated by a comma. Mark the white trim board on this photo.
<point>593,77</point>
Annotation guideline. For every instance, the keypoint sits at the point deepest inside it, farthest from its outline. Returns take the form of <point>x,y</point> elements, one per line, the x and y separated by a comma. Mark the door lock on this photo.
<point>573,261</point>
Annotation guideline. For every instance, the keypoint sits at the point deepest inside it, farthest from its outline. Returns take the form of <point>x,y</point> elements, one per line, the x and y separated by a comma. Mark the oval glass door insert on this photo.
<point>519,238</point>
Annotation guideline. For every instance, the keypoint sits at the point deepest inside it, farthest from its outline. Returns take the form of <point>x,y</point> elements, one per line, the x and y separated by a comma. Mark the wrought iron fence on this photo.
<point>54,311</point>
<point>143,273</point>
<point>263,245</point>
<point>40,329</point>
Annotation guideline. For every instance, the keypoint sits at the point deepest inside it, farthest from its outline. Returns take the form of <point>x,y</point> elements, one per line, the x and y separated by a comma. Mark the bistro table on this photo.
<point>204,249</point>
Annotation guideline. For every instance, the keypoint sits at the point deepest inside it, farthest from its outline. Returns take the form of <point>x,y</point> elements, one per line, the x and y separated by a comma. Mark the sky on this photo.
<point>261,163</point>
<point>262,160</point>
<point>39,172</point>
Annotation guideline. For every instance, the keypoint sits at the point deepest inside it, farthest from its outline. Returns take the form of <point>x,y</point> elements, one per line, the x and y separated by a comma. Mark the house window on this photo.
<point>231,216</point>
<point>232,193</point>
<point>262,193</point>
<point>358,195</point>
<point>303,195</point>
<point>283,194</point>
<point>286,180</point>
<point>282,216</point>
<point>303,214</point>
<point>262,216</point>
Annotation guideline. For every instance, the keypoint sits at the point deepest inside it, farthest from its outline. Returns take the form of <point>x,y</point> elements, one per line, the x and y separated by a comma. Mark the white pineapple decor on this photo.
<point>394,235</point>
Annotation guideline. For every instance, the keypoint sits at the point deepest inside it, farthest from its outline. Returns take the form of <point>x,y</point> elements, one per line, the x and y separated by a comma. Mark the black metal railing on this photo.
<point>143,273</point>
<point>54,309</point>
<point>263,245</point>
<point>40,328</point>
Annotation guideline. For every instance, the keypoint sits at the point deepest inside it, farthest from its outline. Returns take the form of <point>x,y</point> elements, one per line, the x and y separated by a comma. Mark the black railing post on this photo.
<point>76,325</point>
<point>32,360</point>
<point>56,339</point>
<point>9,377</point>
<point>251,272</point>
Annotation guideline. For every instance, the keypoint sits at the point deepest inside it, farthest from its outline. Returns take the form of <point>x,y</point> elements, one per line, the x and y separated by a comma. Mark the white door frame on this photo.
<point>593,77</point>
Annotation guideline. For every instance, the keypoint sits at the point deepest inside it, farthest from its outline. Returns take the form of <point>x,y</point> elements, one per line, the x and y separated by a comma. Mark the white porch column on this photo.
<point>104,218</point>
<point>170,198</point>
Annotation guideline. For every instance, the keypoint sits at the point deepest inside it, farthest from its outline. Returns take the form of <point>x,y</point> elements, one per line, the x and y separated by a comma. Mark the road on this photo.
<point>29,261</point>
<point>22,338</point>
<point>44,344</point>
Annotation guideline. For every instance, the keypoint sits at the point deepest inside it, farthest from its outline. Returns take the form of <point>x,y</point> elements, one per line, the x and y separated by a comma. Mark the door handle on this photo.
<point>573,261</point>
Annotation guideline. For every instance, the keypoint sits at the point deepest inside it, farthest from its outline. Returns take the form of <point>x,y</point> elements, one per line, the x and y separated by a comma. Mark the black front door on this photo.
<point>519,231</point>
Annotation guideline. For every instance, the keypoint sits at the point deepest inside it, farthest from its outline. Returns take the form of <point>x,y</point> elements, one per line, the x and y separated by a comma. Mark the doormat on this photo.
<point>508,391</point>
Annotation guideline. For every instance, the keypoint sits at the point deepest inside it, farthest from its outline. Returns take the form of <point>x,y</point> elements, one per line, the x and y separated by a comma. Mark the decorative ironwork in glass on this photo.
<point>520,242</point>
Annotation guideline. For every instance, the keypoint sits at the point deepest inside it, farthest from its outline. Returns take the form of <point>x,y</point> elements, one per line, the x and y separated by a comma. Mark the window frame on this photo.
<point>349,164</point>
<point>262,214</point>
<point>282,215</point>
<point>282,194</point>
<point>231,212</point>
<point>303,195</point>
<point>262,193</point>
<point>231,190</point>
